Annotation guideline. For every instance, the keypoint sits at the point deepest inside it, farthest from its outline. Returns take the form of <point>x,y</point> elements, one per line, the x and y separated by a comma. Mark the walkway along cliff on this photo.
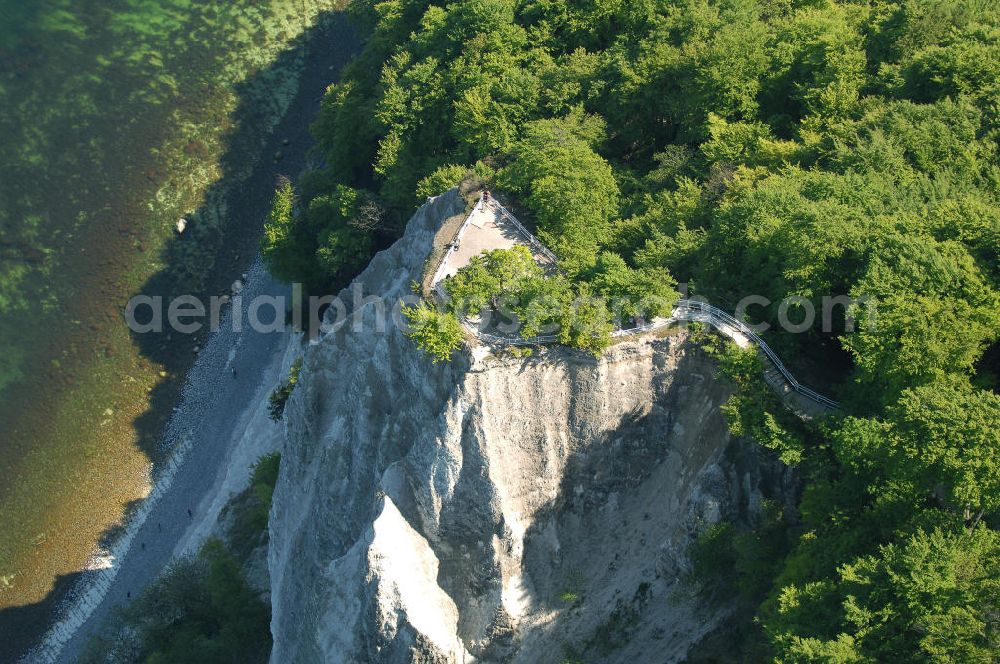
<point>497,508</point>
<point>490,225</point>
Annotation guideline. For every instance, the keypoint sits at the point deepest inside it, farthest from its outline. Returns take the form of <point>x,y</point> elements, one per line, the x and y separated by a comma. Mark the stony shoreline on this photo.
<point>246,202</point>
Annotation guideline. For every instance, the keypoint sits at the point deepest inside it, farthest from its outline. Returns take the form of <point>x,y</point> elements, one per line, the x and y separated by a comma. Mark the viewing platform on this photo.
<point>491,226</point>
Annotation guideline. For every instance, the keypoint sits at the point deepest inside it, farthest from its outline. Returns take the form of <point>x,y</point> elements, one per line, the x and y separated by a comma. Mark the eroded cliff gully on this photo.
<point>495,508</point>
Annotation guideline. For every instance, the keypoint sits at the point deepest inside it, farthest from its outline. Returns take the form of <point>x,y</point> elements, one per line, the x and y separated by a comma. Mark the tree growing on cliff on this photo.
<point>490,278</point>
<point>341,246</point>
<point>324,240</point>
<point>438,333</point>
<point>585,322</point>
<point>279,397</point>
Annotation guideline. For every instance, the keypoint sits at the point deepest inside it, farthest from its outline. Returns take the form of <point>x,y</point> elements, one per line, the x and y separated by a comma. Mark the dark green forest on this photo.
<point>776,148</point>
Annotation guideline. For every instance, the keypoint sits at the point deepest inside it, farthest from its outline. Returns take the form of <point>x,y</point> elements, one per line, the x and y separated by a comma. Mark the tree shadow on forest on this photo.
<point>223,254</point>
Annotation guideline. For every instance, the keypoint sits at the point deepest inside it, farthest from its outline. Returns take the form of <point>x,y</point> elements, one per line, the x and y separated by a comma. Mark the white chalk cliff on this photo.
<point>497,509</point>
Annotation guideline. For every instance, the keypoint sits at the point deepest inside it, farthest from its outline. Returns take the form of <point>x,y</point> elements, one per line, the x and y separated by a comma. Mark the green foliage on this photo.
<point>501,274</point>
<point>280,245</point>
<point>540,305</point>
<point>344,248</point>
<point>510,283</point>
<point>713,558</point>
<point>760,148</point>
<point>935,314</point>
<point>438,333</point>
<point>569,186</point>
<point>939,440</point>
<point>586,322</point>
<point>753,410</point>
<point>441,180</point>
<point>646,292</point>
<point>327,239</point>
<point>925,598</point>
<point>262,481</point>
<point>200,610</point>
<point>573,584</point>
<point>251,509</point>
<point>340,244</point>
<point>741,560</point>
<point>279,397</point>
<point>450,175</point>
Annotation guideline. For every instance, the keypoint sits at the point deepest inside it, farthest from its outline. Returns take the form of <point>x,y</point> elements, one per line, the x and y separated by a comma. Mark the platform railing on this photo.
<point>684,310</point>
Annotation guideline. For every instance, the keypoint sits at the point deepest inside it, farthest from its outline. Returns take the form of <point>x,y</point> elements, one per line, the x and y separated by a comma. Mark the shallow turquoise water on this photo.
<point>113,118</point>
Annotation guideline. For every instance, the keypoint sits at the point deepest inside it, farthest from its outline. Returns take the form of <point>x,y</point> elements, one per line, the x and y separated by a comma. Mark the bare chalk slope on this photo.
<point>497,508</point>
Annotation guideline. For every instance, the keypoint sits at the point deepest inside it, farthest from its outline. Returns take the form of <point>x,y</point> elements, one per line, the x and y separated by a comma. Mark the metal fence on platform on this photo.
<point>532,240</point>
<point>684,310</point>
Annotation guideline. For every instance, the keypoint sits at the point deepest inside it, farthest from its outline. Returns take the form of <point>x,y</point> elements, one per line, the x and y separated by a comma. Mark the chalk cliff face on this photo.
<point>496,508</point>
